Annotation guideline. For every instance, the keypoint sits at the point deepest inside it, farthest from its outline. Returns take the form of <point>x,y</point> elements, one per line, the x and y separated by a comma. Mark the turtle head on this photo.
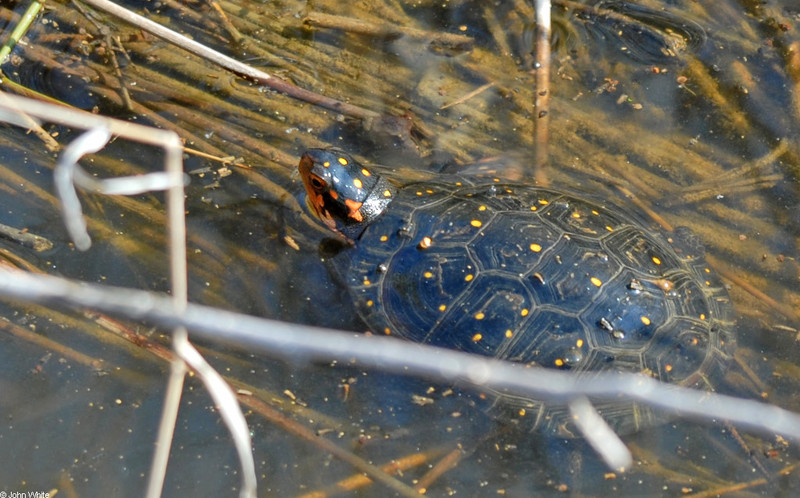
<point>343,194</point>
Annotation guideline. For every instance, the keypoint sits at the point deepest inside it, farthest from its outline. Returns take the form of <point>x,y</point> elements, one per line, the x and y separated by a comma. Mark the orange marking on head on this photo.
<point>319,203</point>
<point>354,207</point>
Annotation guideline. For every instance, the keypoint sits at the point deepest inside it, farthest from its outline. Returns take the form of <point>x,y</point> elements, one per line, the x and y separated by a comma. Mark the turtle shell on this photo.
<point>541,277</point>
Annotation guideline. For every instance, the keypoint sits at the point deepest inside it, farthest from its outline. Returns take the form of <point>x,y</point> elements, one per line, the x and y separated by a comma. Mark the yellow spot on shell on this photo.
<point>596,281</point>
<point>559,362</point>
<point>326,164</point>
<point>509,333</point>
<point>366,172</point>
<point>524,312</point>
<point>576,214</point>
<point>428,274</point>
<point>366,281</point>
<point>594,212</point>
<point>579,343</point>
<point>387,331</point>
<point>477,337</point>
<point>429,191</point>
<point>646,320</point>
<point>387,193</point>
<point>384,238</point>
<point>668,367</point>
<point>442,307</point>
<point>357,183</point>
<point>544,202</point>
<point>702,316</point>
<point>522,412</point>
<point>469,277</point>
<point>656,260</point>
<point>480,315</point>
<point>536,247</point>
<point>343,161</point>
<point>534,208</point>
<point>370,303</point>
<point>610,229</point>
<point>481,208</point>
<point>476,223</point>
<point>707,270</point>
<point>425,243</point>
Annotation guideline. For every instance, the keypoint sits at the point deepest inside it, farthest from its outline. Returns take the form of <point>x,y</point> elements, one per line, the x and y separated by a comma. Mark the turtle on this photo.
<point>528,274</point>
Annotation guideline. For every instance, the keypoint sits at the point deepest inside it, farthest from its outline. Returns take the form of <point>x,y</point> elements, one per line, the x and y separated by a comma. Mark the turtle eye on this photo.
<point>317,183</point>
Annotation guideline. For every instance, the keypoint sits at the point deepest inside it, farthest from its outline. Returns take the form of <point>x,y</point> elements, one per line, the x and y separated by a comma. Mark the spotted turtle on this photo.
<point>527,274</point>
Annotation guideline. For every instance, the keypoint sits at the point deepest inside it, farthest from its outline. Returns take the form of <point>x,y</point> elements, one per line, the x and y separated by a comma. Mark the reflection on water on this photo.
<point>676,102</point>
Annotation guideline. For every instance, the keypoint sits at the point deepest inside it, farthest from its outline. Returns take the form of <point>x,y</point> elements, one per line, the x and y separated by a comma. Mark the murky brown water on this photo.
<point>692,108</point>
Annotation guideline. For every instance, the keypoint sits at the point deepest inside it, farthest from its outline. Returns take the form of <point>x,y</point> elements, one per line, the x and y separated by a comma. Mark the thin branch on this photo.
<point>66,176</point>
<point>20,29</point>
<point>302,343</point>
<point>231,64</point>
<point>25,238</point>
<point>541,118</point>
<point>385,30</point>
